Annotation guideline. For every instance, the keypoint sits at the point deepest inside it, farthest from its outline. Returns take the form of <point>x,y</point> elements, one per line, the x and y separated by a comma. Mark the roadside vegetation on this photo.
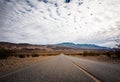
<point>6,53</point>
<point>115,52</point>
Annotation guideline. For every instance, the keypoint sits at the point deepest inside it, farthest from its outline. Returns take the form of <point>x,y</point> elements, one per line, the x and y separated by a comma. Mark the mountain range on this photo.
<point>60,46</point>
<point>82,46</point>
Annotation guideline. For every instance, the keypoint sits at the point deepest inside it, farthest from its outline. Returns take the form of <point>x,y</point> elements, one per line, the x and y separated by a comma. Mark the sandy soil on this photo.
<point>101,58</point>
<point>15,63</point>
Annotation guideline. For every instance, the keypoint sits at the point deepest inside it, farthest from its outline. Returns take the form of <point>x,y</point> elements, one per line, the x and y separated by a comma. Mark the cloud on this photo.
<point>55,21</point>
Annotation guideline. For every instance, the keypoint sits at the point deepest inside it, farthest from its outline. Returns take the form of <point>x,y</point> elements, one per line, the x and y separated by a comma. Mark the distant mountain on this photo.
<point>22,46</point>
<point>67,44</point>
<point>27,46</point>
<point>60,46</point>
<point>82,46</point>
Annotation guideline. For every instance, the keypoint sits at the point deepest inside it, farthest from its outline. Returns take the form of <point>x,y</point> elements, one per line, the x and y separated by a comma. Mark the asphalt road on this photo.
<point>65,69</point>
<point>105,72</point>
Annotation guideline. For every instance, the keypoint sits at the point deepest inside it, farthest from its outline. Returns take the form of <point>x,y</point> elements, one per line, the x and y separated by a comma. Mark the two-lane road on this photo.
<point>64,69</point>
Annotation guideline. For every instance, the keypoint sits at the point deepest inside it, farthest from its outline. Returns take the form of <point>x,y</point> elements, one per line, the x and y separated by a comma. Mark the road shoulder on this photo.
<point>14,63</point>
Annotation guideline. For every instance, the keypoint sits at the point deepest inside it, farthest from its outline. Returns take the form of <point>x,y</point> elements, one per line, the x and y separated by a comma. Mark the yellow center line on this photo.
<point>83,70</point>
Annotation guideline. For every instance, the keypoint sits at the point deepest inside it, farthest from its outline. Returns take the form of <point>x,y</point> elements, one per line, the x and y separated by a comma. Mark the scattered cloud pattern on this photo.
<point>55,21</point>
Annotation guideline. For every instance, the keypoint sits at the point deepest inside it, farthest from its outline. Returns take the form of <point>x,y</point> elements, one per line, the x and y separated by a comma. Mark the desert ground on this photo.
<point>15,63</point>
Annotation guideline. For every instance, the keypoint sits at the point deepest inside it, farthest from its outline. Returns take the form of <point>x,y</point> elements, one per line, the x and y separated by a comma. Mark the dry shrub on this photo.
<point>4,53</point>
<point>35,55</point>
<point>21,56</point>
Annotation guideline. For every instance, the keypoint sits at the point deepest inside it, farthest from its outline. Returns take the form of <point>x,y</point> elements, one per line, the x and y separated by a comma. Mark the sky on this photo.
<point>55,21</point>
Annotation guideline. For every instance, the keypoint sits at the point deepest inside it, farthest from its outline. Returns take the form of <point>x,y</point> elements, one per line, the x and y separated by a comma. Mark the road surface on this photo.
<point>105,72</point>
<point>63,68</point>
